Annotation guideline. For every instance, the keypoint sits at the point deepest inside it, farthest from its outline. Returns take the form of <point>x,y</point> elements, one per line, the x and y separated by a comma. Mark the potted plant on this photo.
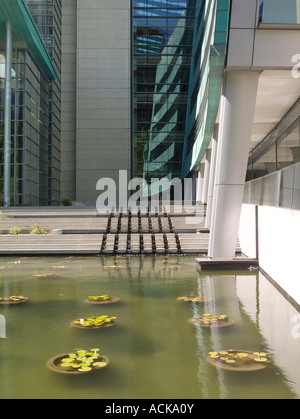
<point>14,299</point>
<point>44,275</point>
<point>101,299</point>
<point>194,299</point>
<point>94,322</point>
<point>211,320</point>
<point>80,361</point>
<point>239,360</point>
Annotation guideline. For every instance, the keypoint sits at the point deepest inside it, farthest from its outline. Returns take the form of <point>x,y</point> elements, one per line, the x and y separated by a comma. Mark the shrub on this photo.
<point>15,230</point>
<point>66,202</point>
<point>38,230</point>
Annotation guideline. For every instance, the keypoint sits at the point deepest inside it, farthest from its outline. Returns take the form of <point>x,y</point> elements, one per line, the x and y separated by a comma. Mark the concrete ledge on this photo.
<point>206,264</point>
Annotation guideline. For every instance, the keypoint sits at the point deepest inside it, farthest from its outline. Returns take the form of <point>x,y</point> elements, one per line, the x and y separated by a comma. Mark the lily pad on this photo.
<point>209,320</point>
<point>236,360</point>
<point>14,299</point>
<point>101,299</point>
<point>94,322</point>
<point>82,363</point>
<point>194,299</point>
<point>113,267</point>
<point>44,275</point>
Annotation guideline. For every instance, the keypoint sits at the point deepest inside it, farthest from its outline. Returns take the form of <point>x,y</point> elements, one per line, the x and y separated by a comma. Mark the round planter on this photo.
<point>243,363</point>
<point>53,364</point>
<point>45,276</point>
<point>202,322</point>
<point>13,300</point>
<point>110,300</point>
<point>195,299</point>
<point>81,326</point>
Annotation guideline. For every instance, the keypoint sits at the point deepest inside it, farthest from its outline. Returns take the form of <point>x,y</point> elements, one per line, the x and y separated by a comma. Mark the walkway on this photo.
<point>72,230</point>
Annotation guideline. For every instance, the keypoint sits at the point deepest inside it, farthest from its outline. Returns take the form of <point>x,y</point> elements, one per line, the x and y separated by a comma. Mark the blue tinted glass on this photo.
<point>162,48</point>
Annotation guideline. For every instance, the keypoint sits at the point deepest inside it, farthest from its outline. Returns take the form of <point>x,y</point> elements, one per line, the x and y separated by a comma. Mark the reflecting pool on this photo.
<point>154,352</point>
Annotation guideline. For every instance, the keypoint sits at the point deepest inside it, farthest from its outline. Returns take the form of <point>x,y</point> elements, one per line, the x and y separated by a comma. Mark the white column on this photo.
<point>188,190</point>
<point>236,121</point>
<point>199,185</point>
<point>210,193</point>
<point>206,175</point>
<point>7,115</point>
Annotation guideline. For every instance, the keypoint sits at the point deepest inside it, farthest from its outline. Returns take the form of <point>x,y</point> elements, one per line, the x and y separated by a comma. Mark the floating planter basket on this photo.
<point>100,322</point>
<point>101,299</point>
<point>172,267</point>
<point>195,299</point>
<point>79,362</point>
<point>239,360</point>
<point>44,275</point>
<point>14,299</point>
<point>210,320</point>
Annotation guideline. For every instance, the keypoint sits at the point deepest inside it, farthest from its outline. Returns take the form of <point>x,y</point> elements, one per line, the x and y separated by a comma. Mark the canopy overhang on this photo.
<point>24,29</point>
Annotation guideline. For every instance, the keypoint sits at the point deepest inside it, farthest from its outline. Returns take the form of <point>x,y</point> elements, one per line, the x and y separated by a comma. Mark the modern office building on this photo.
<point>201,89</point>
<point>25,70</point>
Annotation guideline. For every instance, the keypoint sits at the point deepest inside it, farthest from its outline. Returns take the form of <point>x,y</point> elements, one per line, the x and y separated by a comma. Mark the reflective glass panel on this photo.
<point>162,45</point>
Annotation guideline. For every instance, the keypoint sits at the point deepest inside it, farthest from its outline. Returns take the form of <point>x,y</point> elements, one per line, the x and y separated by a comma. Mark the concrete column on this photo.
<point>188,190</point>
<point>7,116</point>
<point>210,193</point>
<point>199,184</point>
<point>206,175</point>
<point>236,120</point>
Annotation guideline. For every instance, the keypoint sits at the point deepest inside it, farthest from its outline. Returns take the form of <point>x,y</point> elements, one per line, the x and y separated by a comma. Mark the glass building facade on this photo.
<point>29,130</point>
<point>179,52</point>
<point>47,16</point>
<point>162,49</point>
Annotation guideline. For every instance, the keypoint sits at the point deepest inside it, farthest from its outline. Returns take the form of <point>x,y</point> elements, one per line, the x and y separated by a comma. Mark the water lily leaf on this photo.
<point>85,369</point>
<point>242,354</point>
<point>74,365</point>
<point>260,353</point>
<point>260,359</point>
<point>230,361</point>
<point>113,266</point>
<point>99,364</point>
<point>66,365</point>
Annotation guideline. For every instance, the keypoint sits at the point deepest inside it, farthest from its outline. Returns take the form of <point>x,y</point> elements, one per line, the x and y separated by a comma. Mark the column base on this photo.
<point>213,264</point>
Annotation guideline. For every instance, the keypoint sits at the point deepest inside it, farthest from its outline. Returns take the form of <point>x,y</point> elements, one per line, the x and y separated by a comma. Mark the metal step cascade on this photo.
<point>140,234</point>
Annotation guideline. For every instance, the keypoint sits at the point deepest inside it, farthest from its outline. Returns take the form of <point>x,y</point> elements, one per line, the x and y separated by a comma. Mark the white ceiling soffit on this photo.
<point>278,91</point>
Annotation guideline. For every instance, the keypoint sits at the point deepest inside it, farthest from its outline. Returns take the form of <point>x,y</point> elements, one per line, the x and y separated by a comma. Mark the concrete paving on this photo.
<point>72,230</point>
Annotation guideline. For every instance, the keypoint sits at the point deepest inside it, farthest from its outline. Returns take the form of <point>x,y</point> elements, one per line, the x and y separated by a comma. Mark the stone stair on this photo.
<point>88,232</point>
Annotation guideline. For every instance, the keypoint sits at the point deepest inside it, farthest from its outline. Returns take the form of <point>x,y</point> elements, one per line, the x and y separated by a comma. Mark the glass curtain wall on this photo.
<point>29,130</point>
<point>162,45</point>
<point>47,16</point>
<point>280,149</point>
<point>279,12</point>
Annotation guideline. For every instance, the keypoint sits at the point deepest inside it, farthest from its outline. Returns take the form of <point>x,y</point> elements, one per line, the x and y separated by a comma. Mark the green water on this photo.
<point>154,352</point>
